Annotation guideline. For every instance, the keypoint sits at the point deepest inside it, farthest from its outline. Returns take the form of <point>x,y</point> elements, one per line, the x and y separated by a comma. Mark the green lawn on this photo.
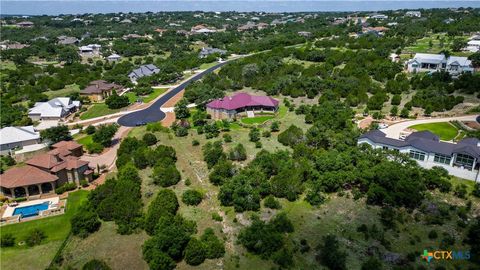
<point>208,65</point>
<point>55,228</point>
<point>69,89</point>
<point>97,110</point>
<point>7,65</point>
<point>444,130</point>
<point>85,140</point>
<point>156,92</point>
<point>257,120</point>
<point>132,96</point>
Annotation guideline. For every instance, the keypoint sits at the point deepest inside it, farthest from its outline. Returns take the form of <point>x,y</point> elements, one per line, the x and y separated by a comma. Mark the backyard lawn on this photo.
<point>444,130</point>
<point>257,120</point>
<point>56,230</point>
<point>69,89</point>
<point>86,140</point>
<point>97,110</point>
<point>156,92</point>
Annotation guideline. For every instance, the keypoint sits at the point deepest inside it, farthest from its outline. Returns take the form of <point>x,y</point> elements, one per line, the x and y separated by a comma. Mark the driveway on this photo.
<point>395,130</point>
<point>153,113</point>
<point>108,157</point>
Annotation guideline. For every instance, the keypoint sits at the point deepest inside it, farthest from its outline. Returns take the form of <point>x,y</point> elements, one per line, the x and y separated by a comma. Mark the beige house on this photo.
<point>100,90</point>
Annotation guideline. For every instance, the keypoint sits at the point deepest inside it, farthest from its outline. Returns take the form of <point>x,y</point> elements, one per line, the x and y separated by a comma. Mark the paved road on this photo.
<point>394,130</point>
<point>153,112</point>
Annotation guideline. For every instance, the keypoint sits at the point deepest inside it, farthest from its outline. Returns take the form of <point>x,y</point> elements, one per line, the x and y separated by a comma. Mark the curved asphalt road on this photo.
<point>153,112</point>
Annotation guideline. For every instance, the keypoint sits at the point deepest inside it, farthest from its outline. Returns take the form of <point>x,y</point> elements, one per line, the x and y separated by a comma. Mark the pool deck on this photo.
<point>10,209</point>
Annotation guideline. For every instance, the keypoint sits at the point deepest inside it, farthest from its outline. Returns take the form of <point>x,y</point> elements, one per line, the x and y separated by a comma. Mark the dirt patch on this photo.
<point>472,124</point>
<point>170,116</point>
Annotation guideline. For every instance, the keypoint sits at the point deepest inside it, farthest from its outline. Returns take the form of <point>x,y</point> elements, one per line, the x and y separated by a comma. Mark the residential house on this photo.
<point>460,159</point>
<point>113,58</point>
<point>202,29</point>
<point>64,40</point>
<point>241,104</point>
<point>304,34</point>
<point>412,13</point>
<point>54,109</point>
<point>142,71</point>
<point>473,45</point>
<point>90,49</point>
<point>425,62</point>
<point>12,138</point>
<point>207,51</point>
<point>378,16</point>
<point>25,24</point>
<point>99,90</point>
<point>44,172</point>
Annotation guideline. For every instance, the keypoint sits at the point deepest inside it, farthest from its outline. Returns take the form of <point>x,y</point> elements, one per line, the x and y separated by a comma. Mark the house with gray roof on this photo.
<point>17,137</point>
<point>143,71</point>
<point>460,159</point>
<point>54,109</point>
<point>426,62</point>
<point>207,51</point>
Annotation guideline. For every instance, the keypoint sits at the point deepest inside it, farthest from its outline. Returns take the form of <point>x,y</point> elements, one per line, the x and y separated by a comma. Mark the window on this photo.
<point>417,155</point>
<point>464,160</point>
<point>384,147</point>
<point>439,158</point>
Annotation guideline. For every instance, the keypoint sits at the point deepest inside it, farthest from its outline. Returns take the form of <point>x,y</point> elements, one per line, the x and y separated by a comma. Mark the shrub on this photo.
<point>66,187</point>
<point>460,191</point>
<point>180,131</point>
<point>84,183</point>
<point>476,190</point>
<point>35,237</point>
<point>271,202</point>
<point>149,139</point>
<point>266,133</point>
<point>275,126</point>
<point>227,138</point>
<point>372,264</point>
<point>85,222</point>
<point>195,252</point>
<point>195,142</point>
<point>258,144</point>
<point>116,102</point>
<point>217,217</point>
<point>94,148</point>
<point>165,175</point>
<point>238,153</point>
<point>214,248</point>
<point>330,254</point>
<point>192,197</point>
<point>432,234</point>
<point>90,130</point>
<point>7,240</point>
<point>104,134</point>
<point>254,134</point>
<point>164,204</point>
<point>291,136</point>
<point>95,265</point>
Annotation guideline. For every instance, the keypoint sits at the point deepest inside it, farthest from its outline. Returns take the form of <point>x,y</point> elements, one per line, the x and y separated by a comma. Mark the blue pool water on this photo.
<point>31,210</point>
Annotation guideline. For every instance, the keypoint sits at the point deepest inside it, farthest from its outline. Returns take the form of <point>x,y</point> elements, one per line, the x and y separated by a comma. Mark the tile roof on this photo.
<point>46,161</point>
<point>24,176</point>
<point>100,86</point>
<point>70,145</point>
<point>242,100</point>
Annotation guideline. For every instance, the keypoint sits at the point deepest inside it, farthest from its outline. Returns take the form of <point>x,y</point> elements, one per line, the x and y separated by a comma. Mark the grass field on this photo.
<point>257,119</point>
<point>97,110</point>
<point>85,140</point>
<point>55,228</point>
<point>423,45</point>
<point>156,92</point>
<point>208,65</point>
<point>69,89</point>
<point>444,130</point>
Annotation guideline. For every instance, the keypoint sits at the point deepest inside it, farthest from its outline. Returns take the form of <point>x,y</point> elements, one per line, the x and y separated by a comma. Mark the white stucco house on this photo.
<point>426,62</point>
<point>460,159</point>
<point>113,58</point>
<point>54,109</point>
<point>17,137</point>
<point>473,46</point>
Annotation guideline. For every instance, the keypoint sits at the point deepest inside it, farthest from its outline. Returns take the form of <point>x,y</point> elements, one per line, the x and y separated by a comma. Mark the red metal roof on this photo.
<point>242,100</point>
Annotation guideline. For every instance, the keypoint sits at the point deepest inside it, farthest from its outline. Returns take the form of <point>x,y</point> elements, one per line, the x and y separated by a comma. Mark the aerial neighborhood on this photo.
<point>134,137</point>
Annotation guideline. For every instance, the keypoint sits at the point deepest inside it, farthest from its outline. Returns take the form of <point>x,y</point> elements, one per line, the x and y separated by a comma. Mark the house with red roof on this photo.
<point>44,172</point>
<point>241,104</point>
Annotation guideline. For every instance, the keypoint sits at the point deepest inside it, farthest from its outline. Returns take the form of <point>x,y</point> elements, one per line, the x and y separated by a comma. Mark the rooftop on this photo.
<point>24,176</point>
<point>99,86</point>
<point>18,134</point>
<point>241,100</point>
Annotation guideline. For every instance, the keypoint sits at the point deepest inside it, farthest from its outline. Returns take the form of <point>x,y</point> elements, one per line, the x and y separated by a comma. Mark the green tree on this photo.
<point>192,197</point>
<point>238,153</point>
<point>116,102</point>
<point>7,240</point>
<point>213,153</point>
<point>104,134</point>
<point>214,247</point>
<point>56,134</point>
<point>254,134</point>
<point>330,254</point>
<point>291,136</point>
<point>85,222</point>
<point>195,252</point>
<point>149,139</point>
<point>181,110</point>
<point>164,204</point>
<point>95,264</point>
<point>165,175</point>
<point>394,110</point>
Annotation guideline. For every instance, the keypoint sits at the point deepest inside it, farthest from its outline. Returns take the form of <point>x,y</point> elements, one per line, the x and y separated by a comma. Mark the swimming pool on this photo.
<point>31,210</point>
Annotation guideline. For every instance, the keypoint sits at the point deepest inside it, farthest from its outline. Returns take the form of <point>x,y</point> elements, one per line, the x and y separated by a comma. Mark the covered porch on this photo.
<point>28,190</point>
